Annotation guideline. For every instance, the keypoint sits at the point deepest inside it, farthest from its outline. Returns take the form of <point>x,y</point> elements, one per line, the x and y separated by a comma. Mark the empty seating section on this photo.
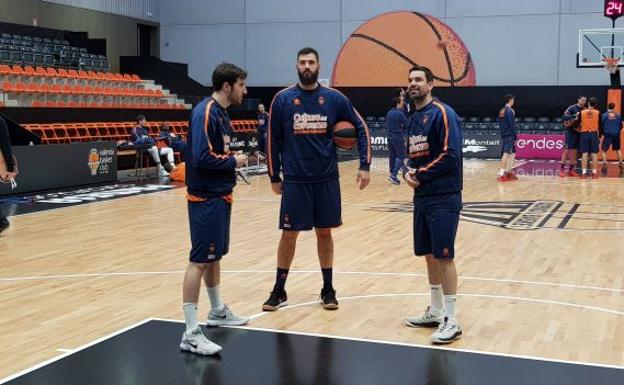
<point>63,133</point>
<point>50,87</point>
<point>42,51</point>
<point>526,125</point>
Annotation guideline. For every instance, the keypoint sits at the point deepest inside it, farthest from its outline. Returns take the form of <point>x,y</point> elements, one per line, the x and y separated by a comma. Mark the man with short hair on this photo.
<point>589,126</point>
<point>210,177</point>
<point>435,173</point>
<point>263,123</point>
<point>611,129</point>
<point>140,135</point>
<point>572,136</point>
<point>507,124</point>
<point>300,147</point>
<point>396,122</point>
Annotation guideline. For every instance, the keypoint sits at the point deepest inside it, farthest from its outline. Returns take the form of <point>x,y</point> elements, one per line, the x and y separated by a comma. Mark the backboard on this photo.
<point>596,45</point>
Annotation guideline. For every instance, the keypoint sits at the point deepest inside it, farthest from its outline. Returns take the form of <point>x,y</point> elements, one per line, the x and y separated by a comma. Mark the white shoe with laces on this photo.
<point>428,319</point>
<point>448,331</point>
<point>195,341</point>
<point>225,317</point>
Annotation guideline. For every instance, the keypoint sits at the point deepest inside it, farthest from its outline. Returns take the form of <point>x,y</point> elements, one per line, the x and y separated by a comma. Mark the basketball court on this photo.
<point>535,297</point>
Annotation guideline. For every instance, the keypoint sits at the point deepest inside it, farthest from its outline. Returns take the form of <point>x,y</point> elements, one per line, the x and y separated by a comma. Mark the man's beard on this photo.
<point>308,77</point>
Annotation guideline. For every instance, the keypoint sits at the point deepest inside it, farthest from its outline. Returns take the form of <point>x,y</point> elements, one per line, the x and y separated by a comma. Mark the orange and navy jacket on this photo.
<point>589,120</point>
<point>300,135</point>
<point>506,122</point>
<point>435,149</point>
<point>209,165</point>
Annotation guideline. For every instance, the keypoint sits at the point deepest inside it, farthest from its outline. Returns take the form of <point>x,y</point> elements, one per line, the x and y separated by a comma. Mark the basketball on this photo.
<point>344,135</point>
<point>381,51</point>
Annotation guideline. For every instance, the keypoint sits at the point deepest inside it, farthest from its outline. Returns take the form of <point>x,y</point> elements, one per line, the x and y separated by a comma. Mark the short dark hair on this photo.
<point>611,106</point>
<point>427,71</point>
<point>508,97</point>
<point>307,50</point>
<point>396,100</point>
<point>139,118</point>
<point>593,101</point>
<point>226,73</point>
<point>165,127</point>
<point>581,96</point>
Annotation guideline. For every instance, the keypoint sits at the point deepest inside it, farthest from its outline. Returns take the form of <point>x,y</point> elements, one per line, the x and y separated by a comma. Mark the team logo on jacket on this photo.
<point>418,146</point>
<point>309,123</point>
<point>297,102</point>
<point>321,100</point>
<point>425,119</point>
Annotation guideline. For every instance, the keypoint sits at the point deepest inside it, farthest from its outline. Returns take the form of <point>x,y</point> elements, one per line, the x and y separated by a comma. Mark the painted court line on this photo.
<point>73,351</point>
<point>433,347</point>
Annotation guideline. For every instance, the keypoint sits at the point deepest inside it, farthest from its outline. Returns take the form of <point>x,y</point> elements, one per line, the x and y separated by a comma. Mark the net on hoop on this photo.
<point>611,63</point>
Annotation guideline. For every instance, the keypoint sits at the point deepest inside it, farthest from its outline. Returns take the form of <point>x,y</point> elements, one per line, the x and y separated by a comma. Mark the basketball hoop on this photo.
<point>611,63</point>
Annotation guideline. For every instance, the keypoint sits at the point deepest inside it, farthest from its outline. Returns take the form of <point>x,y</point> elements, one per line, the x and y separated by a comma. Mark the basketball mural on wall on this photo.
<point>382,50</point>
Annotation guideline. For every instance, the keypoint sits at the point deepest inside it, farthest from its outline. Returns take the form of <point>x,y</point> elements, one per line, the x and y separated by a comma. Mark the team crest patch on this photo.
<point>321,99</point>
<point>425,119</point>
<point>445,252</point>
<point>297,102</point>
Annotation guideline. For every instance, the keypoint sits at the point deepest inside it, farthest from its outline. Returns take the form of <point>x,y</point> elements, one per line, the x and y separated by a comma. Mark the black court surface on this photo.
<point>149,354</point>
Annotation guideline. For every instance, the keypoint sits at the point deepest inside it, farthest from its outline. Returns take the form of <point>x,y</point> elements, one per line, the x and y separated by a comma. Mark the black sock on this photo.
<point>562,166</point>
<point>327,278</point>
<point>571,167</point>
<point>280,279</point>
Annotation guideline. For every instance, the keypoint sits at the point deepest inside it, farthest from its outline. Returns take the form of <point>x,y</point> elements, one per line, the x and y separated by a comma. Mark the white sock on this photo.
<point>437,295</point>
<point>501,172</point>
<point>584,170</point>
<point>449,301</point>
<point>215,299</point>
<point>190,316</point>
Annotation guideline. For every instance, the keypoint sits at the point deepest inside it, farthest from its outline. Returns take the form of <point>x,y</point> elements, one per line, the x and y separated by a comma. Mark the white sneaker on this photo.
<point>195,341</point>
<point>225,317</point>
<point>448,331</point>
<point>162,171</point>
<point>428,319</point>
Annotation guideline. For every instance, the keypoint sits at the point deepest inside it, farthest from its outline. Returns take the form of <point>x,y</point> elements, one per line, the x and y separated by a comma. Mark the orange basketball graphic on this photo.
<point>382,50</point>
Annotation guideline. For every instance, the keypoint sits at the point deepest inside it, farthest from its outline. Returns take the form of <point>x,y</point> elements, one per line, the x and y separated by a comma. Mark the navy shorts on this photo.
<point>210,229</point>
<point>509,145</point>
<point>611,140</point>
<point>435,224</point>
<point>308,205</point>
<point>589,142</point>
<point>571,139</point>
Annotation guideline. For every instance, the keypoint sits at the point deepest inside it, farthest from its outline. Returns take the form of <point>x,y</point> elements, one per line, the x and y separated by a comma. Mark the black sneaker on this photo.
<point>4,224</point>
<point>328,299</point>
<point>277,299</point>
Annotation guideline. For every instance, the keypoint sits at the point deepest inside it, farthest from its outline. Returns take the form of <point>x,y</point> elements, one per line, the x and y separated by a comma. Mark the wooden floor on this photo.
<point>73,275</point>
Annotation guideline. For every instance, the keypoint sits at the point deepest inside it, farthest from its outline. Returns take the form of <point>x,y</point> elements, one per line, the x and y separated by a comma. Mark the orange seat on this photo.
<point>40,71</point>
<point>72,74</point>
<point>17,70</point>
<point>52,72</point>
<point>8,87</point>
<point>5,70</point>
<point>136,78</point>
<point>28,70</point>
<point>83,75</point>
<point>62,72</point>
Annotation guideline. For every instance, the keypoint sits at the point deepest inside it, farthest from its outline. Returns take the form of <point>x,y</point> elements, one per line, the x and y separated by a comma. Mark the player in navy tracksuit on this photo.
<point>11,172</point>
<point>507,124</point>
<point>263,123</point>
<point>210,177</point>
<point>300,147</point>
<point>396,122</point>
<point>435,174</point>
<point>572,136</point>
<point>611,129</point>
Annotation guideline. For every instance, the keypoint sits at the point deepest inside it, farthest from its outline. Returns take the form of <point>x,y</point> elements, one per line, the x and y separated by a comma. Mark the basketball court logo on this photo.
<point>533,215</point>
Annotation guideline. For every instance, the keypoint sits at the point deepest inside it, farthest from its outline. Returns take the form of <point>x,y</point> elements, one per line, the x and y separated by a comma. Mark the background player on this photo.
<point>507,124</point>
<point>611,127</point>
<point>572,136</point>
<point>396,123</point>
<point>589,126</point>
<point>300,146</point>
<point>210,178</point>
<point>435,174</point>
